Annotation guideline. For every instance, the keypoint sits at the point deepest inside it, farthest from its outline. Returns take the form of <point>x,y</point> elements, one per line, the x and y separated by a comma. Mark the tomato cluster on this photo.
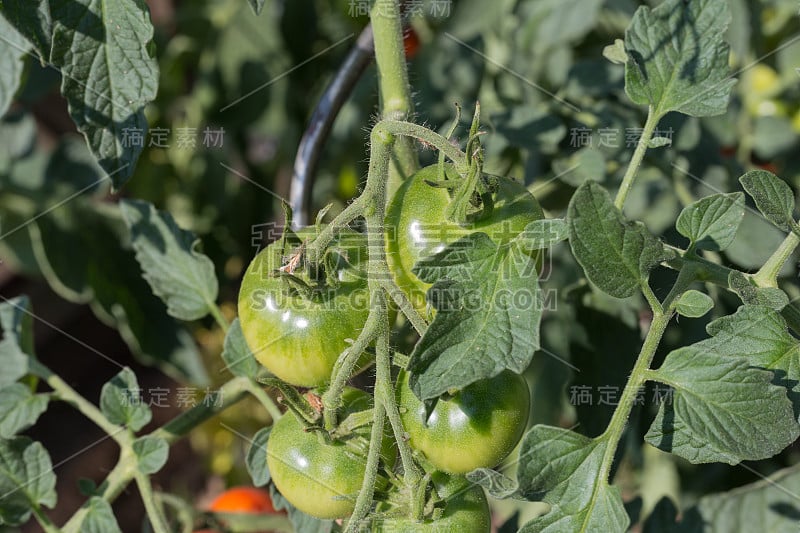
<point>297,327</point>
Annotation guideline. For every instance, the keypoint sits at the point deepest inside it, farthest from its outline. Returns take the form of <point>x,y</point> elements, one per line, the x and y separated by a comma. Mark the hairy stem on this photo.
<point>156,516</point>
<point>767,275</point>
<point>69,395</point>
<point>613,432</point>
<point>259,394</point>
<point>125,470</point>
<point>395,92</point>
<point>405,306</point>
<point>638,156</point>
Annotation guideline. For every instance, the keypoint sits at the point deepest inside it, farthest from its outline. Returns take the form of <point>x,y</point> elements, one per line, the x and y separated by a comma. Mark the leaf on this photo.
<point>542,234</point>
<point>658,142</point>
<point>92,267</point>
<point>19,409</point>
<point>237,355</point>
<point>772,196</point>
<point>256,460</point>
<point>711,222</point>
<point>498,485</point>
<point>17,342</point>
<point>722,409</point>
<point>120,401</point>
<point>767,505</point>
<point>13,48</point>
<point>489,307</point>
<point>615,255</point>
<point>178,274</point>
<point>562,468</point>
<point>750,294</point>
<point>694,304</point>
<point>257,5</point>
<point>760,336</point>
<point>26,479</point>
<point>152,453</point>
<point>35,23</point>
<point>99,517</point>
<point>616,52</point>
<point>678,59</point>
<point>108,75</point>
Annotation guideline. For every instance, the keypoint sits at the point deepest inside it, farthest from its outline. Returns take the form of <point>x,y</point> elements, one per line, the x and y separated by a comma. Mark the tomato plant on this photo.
<point>646,380</point>
<point>298,331</point>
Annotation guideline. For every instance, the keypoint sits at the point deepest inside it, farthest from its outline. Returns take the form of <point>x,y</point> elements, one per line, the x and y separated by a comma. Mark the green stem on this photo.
<point>405,306</point>
<point>69,395</point>
<point>364,500</point>
<point>421,133</point>
<point>265,400</point>
<point>216,312</point>
<point>638,376</point>
<point>395,92</point>
<point>156,516</point>
<point>332,398</point>
<point>343,219</point>
<point>767,276</point>
<point>384,391</point>
<point>651,298</point>
<point>44,521</point>
<point>638,156</point>
<point>686,277</point>
<point>125,470</point>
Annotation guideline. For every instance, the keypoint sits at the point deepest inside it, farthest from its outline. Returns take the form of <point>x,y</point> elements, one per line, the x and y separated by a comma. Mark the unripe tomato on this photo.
<point>299,338</point>
<point>475,428</point>
<point>321,478</point>
<point>416,226</point>
<point>464,510</point>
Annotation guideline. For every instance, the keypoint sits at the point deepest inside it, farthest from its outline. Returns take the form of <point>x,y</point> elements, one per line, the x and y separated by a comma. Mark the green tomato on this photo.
<point>465,511</point>
<point>299,338</point>
<point>475,428</point>
<point>320,478</point>
<point>416,226</point>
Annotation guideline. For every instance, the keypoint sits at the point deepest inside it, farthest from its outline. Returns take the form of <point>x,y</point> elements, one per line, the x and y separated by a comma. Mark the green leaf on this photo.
<point>257,5</point>
<point>616,255</point>
<point>99,268</point>
<point>256,460</point>
<point>542,234</point>
<point>121,402</point>
<point>766,505</point>
<point>711,222</point>
<point>237,355</point>
<point>13,48</point>
<point>32,19</point>
<point>17,343</point>
<point>562,468</point>
<point>26,479</point>
<point>616,52</point>
<point>152,453</point>
<point>658,142</point>
<point>489,307</point>
<point>772,196</point>
<point>722,409</point>
<point>760,336</point>
<point>19,409</point>
<point>498,485</point>
<point>99,517</point>
<point>678,59</point>
<point>750,294</point>
<point>108,75</point>
<point>694,304</point>
<point>178,274</point>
